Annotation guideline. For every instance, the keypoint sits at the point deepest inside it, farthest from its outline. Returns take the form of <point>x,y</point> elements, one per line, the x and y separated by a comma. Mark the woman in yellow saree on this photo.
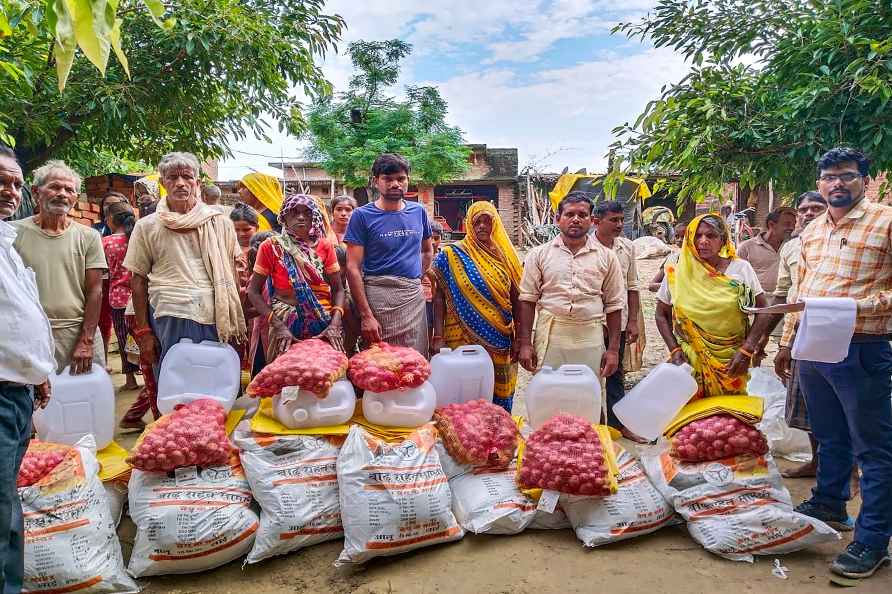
<point>476,298</point>
<point>699,310</point>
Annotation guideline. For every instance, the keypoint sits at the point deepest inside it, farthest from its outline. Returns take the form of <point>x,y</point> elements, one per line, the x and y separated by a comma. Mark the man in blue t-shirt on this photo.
<point>388,251</point>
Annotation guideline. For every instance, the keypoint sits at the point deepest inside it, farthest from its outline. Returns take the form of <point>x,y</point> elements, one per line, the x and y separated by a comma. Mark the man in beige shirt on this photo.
<point>183,259</point>
<point>609,232</point>
<point>69,262</point>
<point>763,250</point>
<point>572,286</point>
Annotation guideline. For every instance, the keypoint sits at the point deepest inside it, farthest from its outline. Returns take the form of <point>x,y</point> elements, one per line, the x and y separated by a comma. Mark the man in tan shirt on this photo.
<point>572,286</point>
<point>183,258</point>
<point>69,262</point>
<point>609,232</point>
<point>763,250</point>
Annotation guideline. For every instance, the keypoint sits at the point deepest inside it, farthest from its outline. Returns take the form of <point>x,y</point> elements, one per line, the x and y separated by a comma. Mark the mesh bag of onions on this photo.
<point>312,365</point>
<point>717,437</point>
<point>194,434</point>
<point>385,367</point>
<point>40,459</point>
<point>477,432</point>
<point>568,455</point>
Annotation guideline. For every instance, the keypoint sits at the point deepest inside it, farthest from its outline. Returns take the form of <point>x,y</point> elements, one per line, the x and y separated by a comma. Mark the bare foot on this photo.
<point>807,470</point>
<point>129,386</point>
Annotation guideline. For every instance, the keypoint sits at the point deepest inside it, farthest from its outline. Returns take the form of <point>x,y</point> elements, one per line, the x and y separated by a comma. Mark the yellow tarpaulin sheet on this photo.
<point>748,409</point>
<point>233,419</point>
<point>112,462</point>
<point>566,182</point>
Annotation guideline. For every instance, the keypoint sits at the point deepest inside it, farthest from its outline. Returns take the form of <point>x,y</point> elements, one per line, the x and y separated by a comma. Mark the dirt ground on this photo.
<point>539,562</point>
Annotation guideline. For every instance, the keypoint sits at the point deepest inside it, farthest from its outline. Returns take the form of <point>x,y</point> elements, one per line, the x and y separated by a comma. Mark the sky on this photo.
<point>544,76</point>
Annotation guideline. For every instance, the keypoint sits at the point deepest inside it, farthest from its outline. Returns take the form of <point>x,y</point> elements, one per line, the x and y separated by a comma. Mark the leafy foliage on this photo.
<point>821,76</point>
<point>215,68</point>
<point>346,133</point>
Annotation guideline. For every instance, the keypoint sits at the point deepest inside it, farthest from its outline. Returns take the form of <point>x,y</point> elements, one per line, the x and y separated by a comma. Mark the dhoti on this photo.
<point>559,341</point>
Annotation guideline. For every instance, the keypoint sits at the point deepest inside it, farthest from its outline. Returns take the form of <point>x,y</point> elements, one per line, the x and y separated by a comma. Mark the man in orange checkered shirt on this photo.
<point>847,252</point>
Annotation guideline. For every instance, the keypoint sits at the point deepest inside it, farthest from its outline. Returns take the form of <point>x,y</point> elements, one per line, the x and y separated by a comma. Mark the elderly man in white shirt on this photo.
<point>26,360</point>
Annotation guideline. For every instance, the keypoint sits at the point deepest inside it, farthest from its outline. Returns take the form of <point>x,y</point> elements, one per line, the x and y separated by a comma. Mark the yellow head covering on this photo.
<point>499,238</point>
<point>268,190</point>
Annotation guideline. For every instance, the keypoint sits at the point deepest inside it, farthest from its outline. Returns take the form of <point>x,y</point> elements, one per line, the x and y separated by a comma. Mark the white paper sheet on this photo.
<point>825,329</point>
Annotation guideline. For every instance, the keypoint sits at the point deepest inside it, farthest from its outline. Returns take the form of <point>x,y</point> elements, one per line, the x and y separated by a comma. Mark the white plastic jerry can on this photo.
<point>301,409</point>
<point>462,375</point>
<point>190,371</point>
<point>80,405</point>
<point>400,408</point>
<point>655,401</point>
<point>570,389</point>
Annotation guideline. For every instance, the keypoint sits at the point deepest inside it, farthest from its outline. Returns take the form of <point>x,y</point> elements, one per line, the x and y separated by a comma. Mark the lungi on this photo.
<point>796,412</point>
<point>398,305</point>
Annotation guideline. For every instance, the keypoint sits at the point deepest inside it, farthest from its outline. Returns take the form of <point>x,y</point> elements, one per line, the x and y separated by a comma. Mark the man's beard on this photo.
<point>394,195</point>
<point>841,200</point>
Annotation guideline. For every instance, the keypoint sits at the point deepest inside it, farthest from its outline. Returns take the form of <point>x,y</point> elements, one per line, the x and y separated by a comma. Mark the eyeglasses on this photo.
<point>843,177</point>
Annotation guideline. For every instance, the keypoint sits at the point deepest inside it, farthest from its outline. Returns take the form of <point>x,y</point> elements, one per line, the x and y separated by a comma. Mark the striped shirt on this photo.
<point>850,258</point>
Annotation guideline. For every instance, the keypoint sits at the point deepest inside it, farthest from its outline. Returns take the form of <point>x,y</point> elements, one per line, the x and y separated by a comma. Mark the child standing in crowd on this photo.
<point>429,280</point>
<point>245,220</point>
<point>342,208</point>
<point>120,219</point>
<point>105,230</point>
<point>259,328</point>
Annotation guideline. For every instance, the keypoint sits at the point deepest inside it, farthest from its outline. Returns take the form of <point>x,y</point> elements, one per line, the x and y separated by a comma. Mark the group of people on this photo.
<point>274,269</point>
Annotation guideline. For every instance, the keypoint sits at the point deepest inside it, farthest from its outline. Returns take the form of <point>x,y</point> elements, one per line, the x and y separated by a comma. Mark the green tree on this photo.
<point>219,67</point>
<point>821,76</point>
<point>347,132</point>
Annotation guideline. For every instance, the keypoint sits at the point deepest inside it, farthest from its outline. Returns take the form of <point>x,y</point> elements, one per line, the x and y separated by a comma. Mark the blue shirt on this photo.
<point>391,239</point>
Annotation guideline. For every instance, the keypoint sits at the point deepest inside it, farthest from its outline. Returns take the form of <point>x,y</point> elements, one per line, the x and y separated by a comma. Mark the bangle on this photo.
<point>746,352</point>
<point>435,336</point>
<point>337,308</point>
<point>140,332</point>
<point>675,350</point>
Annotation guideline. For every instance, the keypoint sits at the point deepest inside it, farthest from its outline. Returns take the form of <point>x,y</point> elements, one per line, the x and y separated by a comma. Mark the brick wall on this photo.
<point>426,199</point>
<point>873,189</point>
<point>509,210</point>
<point>85,212</point>
<point>99,185</point>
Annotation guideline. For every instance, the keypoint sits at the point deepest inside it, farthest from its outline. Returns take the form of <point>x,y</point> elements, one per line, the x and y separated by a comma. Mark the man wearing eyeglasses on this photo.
<point>847,252</point>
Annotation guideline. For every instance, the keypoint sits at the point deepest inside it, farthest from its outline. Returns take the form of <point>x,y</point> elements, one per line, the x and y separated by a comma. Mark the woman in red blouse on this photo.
<point>301,265</point>
<point>120,219</point>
